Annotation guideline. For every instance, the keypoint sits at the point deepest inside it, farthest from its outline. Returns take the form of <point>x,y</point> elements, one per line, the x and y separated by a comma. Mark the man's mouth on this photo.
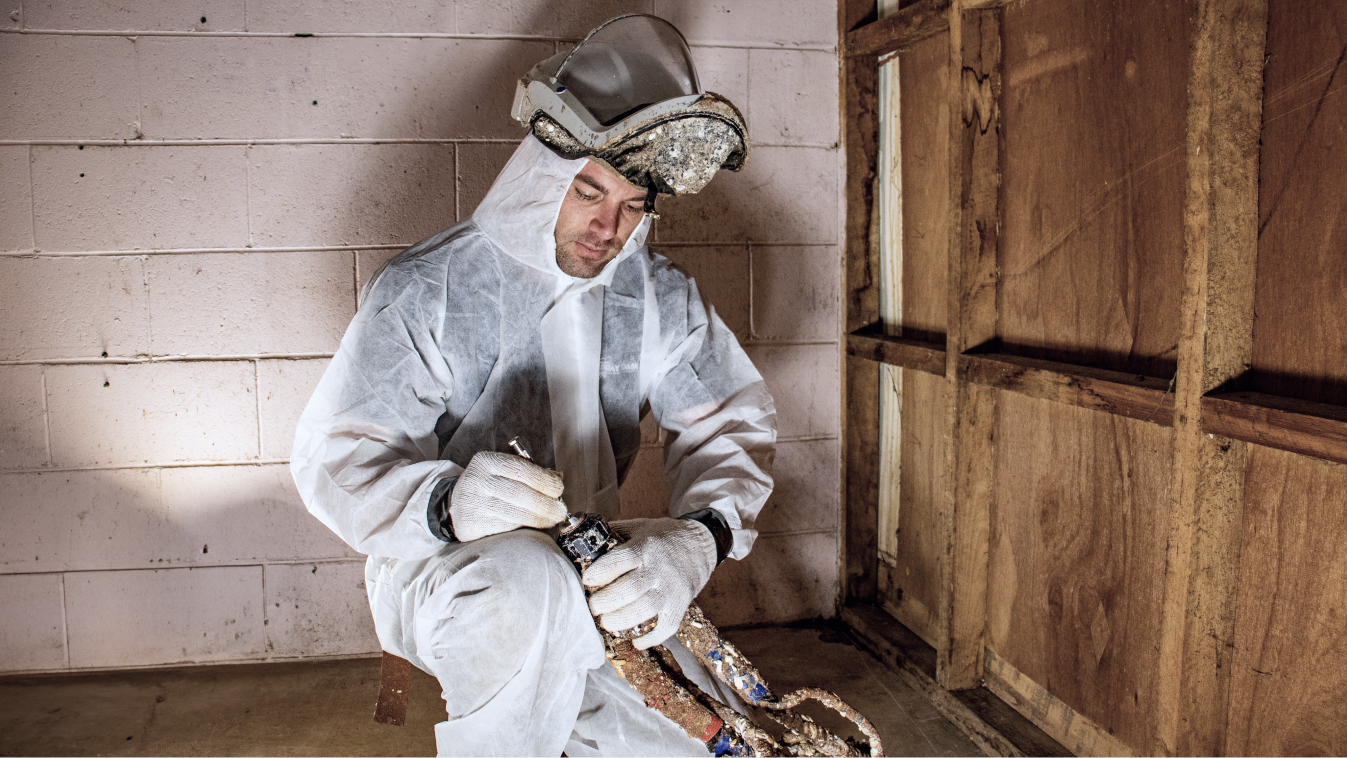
<point>590,252</point>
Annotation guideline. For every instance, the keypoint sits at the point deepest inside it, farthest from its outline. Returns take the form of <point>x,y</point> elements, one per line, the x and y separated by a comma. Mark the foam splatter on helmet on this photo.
<point>628,96</point>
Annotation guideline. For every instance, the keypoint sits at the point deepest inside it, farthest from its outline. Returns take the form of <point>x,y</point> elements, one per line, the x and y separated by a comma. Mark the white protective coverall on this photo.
<point>476,336</point>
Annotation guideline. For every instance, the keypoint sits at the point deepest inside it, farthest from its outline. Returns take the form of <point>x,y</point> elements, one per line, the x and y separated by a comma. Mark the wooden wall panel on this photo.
<point>1289,687</point>
<point>1095,99</point>
<point>1075,577</point>
<point>924,83</point>
<point>1301,296</point>
<point>910,588</point>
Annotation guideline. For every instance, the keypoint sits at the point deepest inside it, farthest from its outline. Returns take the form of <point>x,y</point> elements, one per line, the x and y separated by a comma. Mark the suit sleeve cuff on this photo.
<point>719,528</point>
<point>437,513</point>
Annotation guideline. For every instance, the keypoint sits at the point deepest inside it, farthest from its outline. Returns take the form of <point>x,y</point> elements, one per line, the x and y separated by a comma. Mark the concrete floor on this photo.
<point>326,707</point>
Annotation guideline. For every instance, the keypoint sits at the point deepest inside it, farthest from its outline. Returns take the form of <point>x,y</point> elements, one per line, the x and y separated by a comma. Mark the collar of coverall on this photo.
<point>519,212</point>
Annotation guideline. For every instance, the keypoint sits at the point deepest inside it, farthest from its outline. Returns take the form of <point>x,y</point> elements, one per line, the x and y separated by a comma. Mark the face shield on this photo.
<point>628,96</point>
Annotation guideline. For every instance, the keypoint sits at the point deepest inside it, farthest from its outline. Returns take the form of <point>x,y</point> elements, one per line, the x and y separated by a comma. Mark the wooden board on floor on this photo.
<point>1076,568</point>
<point>1095,95</point>
<point>1301,296</point>
<point>1288,693</point>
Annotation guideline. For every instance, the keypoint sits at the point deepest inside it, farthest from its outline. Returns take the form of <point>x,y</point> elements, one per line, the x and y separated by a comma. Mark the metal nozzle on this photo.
<point>518,448</point>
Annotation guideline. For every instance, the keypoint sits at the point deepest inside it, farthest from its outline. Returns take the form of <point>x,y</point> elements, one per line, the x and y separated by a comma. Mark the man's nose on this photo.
<point>604,222</point>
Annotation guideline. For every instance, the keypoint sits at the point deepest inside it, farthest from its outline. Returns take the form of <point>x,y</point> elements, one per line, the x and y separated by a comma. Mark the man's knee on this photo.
<point>515,582</point>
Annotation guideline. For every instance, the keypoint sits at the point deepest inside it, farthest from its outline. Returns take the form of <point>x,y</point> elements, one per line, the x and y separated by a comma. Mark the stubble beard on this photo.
<point>573,264</point>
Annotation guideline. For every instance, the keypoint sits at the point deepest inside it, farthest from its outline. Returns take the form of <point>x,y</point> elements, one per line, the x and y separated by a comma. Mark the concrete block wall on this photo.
<point>190,197</point>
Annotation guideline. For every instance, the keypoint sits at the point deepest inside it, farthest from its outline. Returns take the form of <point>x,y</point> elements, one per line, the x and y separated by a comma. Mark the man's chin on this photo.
<point>574,264</point>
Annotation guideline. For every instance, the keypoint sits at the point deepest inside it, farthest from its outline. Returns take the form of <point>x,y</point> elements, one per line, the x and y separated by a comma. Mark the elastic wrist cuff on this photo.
<point>437,514</point>
<point>719,528</point>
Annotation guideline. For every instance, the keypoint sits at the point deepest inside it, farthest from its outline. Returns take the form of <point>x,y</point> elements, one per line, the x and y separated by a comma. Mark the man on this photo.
<point>546,318</point>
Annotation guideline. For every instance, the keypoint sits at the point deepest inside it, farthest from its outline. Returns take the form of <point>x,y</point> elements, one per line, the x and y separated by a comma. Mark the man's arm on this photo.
<point>366,454</point>
<point>720,422</point>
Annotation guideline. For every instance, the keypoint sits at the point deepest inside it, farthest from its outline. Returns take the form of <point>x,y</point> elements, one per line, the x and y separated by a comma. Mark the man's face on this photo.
<point>599,213</point>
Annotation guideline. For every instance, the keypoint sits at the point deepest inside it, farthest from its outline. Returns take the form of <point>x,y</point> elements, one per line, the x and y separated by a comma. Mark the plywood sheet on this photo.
<point>1095,98</point>
<point>1301,293</point>
<point>1075,578</point>
<point>910,588</point>
<point>924,77</point>
<point>1288,691</point>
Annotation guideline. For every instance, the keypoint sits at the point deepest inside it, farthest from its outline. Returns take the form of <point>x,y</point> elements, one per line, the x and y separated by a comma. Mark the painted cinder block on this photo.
<point>784,194</point>
<point>69,520</point>
<point>724,71</point>
<point>541,17</point>
<point>350,194</point>
<point>143,15</point>
<point>753,21</point>
<point>152,412</point>
<point>16,198</point>
<point>425,16</point>
<point>722,275</point>
<point>11,14</point>
<point>289,87</point>
<point>796,291</point>
<point>478,165</point>
<point>73,308</point>
<point>81,87</point>
<point>185,615</point>
<point>32,628</point>
<point>250,303</point>
<point>318,609</point>
<point>785,578</point>
<point>803,379</point>
<point>794,97</point>
<point>202,516</point>
<point>134,198</point>
<point>286,386</point>
<point>806,491</point>
<point>23,424</point>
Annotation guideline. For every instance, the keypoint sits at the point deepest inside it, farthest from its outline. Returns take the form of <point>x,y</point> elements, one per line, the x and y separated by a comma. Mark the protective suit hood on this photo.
<point>519,212</point>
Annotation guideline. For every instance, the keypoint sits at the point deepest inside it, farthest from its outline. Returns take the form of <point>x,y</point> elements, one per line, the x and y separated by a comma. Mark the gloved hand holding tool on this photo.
<point>500,492</point>
<point>654,574</point>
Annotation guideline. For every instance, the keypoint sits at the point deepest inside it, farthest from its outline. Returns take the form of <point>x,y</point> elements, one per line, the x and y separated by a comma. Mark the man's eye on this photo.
<point>634,208</point>
<point>584,196</point>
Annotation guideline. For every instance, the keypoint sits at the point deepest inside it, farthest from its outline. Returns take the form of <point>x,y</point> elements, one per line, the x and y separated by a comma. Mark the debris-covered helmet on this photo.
<point>628,95</point>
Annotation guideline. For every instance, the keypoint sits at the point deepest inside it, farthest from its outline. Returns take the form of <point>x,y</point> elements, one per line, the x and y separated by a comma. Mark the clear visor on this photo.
<point>628,64</point>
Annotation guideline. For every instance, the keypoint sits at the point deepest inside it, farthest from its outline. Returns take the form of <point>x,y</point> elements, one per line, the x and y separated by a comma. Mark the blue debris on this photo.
<point>758,692</point>
<point>715,655</point>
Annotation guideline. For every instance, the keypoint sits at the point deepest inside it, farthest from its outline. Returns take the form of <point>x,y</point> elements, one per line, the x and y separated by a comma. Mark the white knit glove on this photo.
<point>662,565</point>
<point>499,492</point>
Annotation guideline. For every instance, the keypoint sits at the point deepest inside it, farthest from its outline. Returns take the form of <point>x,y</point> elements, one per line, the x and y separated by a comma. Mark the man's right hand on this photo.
<point>499,492</point>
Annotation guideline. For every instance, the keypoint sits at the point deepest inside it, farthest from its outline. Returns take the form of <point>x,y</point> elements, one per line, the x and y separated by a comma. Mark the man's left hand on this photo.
<point>662,565</point>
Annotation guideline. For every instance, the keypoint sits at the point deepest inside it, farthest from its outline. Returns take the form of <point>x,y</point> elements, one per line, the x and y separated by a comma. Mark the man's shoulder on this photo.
<point>430,259</point>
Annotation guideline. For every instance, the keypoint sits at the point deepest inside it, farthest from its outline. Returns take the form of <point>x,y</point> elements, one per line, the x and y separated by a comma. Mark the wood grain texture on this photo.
<point>861,243</point>
<point>974,224</point>
<point>1302,272</point>
<point>912,588</point>
<point>1298,426</point>
<point>860,388</point>
<point>919,21</point>
<point>927,357</point>
<point>1289,687</point>
<point>1095,94</point>
<point>1139,397</point>
<point>1079,734</point>
<point>860,489</point>
<point>924,82</point>
<point>1215,340</point>
<point>1078,529</point>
